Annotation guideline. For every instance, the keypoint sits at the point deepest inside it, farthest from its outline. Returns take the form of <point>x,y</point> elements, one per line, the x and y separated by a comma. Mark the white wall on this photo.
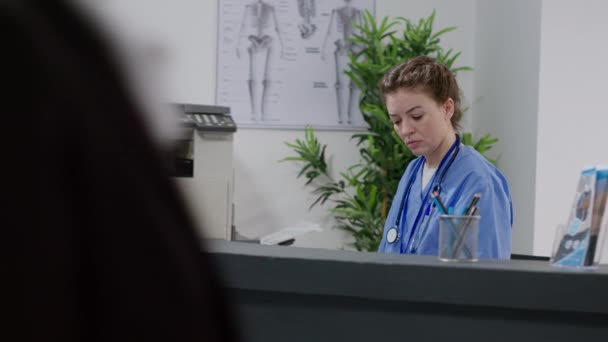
<point>572,118</point>
<point>268,197</point>
<point>539,83</point>
<point>506,91</point>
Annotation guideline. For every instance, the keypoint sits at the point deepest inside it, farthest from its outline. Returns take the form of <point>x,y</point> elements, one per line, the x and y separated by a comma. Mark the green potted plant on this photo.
<point>363,194</point>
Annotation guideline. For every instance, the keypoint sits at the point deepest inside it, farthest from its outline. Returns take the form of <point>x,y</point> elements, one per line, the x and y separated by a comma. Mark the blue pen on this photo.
<point>438,203</point>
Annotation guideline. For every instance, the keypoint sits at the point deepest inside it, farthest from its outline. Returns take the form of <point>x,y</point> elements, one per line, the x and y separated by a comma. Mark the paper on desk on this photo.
<point>290,233</point>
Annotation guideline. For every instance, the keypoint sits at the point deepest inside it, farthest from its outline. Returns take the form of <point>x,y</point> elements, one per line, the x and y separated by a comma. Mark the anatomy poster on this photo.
<point>281,63</point>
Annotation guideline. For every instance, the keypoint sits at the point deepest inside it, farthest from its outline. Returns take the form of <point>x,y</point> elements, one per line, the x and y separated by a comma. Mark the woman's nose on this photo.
<point>403,129</point>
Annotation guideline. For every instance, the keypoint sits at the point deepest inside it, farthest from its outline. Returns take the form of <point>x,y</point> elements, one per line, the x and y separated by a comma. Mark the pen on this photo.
<point>467,210</point>
<point>461,239</point>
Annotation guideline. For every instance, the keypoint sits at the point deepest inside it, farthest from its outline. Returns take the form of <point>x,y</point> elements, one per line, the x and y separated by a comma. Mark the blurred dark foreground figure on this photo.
<point>101,248</point>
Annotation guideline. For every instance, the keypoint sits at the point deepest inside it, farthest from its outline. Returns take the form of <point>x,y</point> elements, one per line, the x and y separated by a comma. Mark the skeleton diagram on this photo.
<point>257,25</point>
<point>307,10</point>
<point>344,19</point>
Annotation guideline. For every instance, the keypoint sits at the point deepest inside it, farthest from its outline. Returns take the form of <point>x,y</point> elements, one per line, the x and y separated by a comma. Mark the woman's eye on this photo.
<point>417,116</point>
<point>396,122</point>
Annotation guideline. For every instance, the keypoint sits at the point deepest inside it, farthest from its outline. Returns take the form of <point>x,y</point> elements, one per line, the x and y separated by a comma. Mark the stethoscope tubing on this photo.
<point>394,233</point>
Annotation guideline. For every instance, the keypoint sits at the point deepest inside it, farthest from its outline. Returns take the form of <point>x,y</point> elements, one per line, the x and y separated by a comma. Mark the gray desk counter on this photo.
<point>297,294</point>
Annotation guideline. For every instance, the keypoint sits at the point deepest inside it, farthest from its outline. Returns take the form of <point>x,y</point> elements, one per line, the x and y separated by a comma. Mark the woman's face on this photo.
<point>422,123</point>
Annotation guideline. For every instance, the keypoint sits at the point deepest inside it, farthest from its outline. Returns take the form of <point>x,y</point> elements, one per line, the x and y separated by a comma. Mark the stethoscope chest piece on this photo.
<point>392,235</point>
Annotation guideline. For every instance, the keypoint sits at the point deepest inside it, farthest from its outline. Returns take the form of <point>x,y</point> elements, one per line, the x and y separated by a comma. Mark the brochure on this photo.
<point>597,218</point>
<point>572,243</point>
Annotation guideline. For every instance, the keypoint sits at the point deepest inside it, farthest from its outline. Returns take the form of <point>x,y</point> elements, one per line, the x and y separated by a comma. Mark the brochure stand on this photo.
<point>579,243</point>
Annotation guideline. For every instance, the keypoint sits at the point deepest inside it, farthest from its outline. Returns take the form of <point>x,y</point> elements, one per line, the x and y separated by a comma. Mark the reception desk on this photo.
<point>297,294</point>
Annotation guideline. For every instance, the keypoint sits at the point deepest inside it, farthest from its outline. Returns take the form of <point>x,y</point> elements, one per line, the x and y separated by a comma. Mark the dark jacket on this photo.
<point>102,247</point>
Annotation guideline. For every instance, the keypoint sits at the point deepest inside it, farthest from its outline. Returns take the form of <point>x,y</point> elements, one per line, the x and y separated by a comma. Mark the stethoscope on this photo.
<point>393,234</point>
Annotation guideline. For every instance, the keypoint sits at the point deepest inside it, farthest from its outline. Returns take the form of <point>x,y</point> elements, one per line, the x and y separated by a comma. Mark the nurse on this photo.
<point>423,102</point>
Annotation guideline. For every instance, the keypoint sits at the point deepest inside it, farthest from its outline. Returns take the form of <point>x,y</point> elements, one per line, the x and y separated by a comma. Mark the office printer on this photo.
<point>203,166</point>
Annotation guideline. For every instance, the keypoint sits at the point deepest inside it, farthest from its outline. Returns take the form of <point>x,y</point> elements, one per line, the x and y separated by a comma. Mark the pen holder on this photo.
<point>577,249</point>
<point>458,237</point>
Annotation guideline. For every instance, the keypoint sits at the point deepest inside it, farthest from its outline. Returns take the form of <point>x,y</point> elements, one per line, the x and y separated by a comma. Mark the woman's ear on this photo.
<point>448,107</point>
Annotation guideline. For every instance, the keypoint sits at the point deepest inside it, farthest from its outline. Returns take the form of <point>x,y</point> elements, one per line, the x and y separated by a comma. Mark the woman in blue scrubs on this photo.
<point>423,102</point>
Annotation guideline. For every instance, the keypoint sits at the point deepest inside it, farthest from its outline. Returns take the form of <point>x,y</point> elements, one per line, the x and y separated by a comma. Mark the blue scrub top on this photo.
<point>470,173</point>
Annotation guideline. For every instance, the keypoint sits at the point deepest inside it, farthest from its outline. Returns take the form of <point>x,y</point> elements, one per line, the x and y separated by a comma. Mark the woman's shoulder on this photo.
<point>475,164</point>
<point>470,155</point>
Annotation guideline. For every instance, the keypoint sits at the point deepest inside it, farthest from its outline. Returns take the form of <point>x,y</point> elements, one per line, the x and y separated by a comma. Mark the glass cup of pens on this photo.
<point>458,237</point>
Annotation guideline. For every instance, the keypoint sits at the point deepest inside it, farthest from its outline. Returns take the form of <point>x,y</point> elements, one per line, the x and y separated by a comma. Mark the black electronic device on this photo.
<point>207,118</point>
